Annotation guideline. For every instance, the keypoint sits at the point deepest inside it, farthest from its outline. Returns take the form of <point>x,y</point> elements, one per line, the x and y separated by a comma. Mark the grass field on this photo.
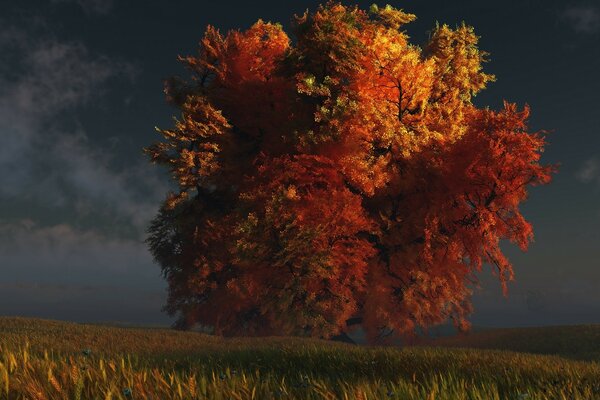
<point>581,342</point>
<point>42,359</point>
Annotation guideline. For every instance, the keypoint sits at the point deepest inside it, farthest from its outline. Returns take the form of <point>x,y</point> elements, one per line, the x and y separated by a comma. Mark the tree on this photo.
<point>345,179</point>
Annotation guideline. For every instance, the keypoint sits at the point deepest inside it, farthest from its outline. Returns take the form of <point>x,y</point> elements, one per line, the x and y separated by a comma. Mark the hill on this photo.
<point>41,359</point>
<point>578,342</point>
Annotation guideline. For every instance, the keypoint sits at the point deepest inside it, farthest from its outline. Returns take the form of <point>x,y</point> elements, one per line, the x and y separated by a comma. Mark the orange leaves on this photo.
<point>307,223</point>
<point>252,55</point>
<point>191,149</point>
<point>212,48</point>
<point>346,175</point>
<point>239,56</point>
<point>456,202</point>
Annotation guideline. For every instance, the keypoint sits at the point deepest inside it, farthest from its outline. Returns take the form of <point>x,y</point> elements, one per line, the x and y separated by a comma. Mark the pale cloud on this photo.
<point>59,76</point>
<point>583,19</point>
<point>63,253</point>
<point>83,178</point>
<point>589,172</point>
<point>70,269</point>
<point>54,165</point>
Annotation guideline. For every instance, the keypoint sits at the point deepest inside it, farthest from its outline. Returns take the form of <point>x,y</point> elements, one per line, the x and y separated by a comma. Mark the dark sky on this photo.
<point>81,92</point>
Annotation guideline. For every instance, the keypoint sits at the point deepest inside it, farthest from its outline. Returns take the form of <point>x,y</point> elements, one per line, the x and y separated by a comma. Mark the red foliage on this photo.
<point>347,176</point>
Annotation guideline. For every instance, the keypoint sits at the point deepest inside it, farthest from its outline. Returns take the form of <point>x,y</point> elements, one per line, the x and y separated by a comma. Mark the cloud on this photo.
<point>100,7</point>
<point>59,76</point>
<point>66,253</point>
<point>75,268</point>
<point>81,177</point>
<point>54,165</point>
<point>583,19</point>
<point>64,272</point>
<point>589,171</point>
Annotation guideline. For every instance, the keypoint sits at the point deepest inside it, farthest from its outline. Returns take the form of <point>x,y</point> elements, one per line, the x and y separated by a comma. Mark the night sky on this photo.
<point>81,92</point>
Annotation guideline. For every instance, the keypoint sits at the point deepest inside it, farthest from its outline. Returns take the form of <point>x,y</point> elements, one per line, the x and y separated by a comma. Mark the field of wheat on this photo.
<point>57,360</point>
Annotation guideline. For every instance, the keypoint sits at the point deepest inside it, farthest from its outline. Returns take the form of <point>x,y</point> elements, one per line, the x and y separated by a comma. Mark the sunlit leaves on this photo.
<point>345,175</point>
<point>191,148</point>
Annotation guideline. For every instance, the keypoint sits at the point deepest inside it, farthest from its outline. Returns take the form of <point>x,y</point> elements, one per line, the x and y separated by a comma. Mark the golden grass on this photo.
<point>47,360</point>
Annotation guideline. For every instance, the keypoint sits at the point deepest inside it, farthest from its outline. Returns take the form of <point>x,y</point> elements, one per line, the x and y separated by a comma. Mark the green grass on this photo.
<point>45,360</point>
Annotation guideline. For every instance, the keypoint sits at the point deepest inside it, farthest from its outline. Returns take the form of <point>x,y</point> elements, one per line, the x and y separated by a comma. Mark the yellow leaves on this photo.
<point>391,17</point>
<point>191,149</point>
<point>213,47</point>
<point>329,41</point>
<point>308,85</point>
<point>459,63</point>
<point>309,81</point>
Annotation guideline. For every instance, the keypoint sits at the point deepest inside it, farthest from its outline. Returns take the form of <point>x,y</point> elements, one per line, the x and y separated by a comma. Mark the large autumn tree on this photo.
<point>343,178</point>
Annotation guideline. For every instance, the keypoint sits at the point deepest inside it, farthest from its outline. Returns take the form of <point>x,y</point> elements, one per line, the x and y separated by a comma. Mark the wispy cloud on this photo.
<point>67,254</point>
<point>71,269</point>
<point>82,178</point>
<point>589,172</point>
<point>100,7</point>
<point>59,75</point>
<point>583,19</point>
<point>42,159</point>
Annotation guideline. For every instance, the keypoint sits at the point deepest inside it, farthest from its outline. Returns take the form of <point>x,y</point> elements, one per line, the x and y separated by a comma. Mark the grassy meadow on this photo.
<point>42,359</point>
<point>580,342</point>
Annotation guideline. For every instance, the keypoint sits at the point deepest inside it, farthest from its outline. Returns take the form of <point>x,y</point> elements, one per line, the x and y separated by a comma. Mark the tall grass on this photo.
<point>51,360</point>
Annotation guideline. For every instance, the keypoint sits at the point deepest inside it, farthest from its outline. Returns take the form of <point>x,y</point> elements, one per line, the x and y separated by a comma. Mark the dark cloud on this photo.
<point>74,114</point>
<point>64,270</point>
<point>66,273</point>
<point>54,164</point>
<point>90,7</point>
<point>583,19</point>
<point>67,254</point>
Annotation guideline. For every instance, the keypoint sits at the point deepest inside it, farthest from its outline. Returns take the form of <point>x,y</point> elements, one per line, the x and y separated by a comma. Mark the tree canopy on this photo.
<point>344,177</point>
